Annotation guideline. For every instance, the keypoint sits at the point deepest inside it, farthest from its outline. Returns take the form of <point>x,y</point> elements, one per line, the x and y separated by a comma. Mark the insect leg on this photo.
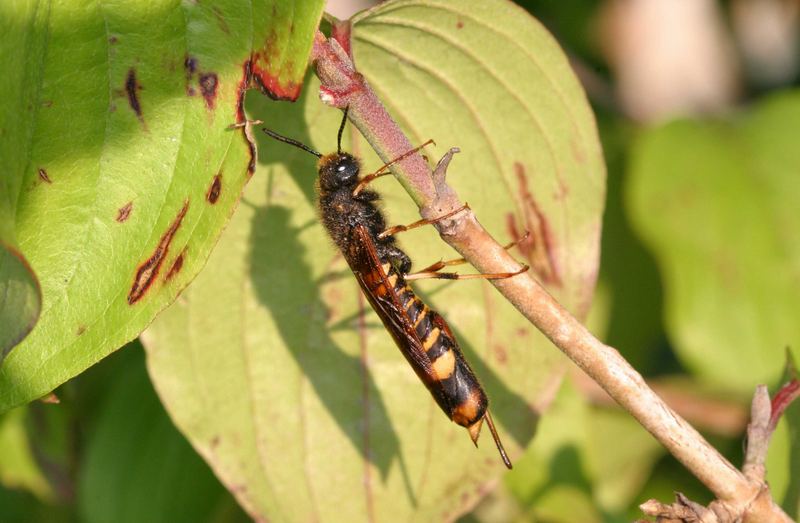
<point>424,275</point>
<point>398,258</point>
<point>383,170</point>
<point>458,261</point>
<point>391,231</point>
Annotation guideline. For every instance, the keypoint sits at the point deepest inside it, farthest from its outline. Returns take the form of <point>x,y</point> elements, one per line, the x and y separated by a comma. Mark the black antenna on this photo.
<point>291,141</point>
<point>341,130</point>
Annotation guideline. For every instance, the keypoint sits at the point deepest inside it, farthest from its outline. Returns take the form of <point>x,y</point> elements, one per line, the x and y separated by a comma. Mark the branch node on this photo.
<point>683,510</point>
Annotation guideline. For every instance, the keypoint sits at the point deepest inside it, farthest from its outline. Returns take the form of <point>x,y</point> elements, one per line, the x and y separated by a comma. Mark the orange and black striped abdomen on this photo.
<point>421,334</point>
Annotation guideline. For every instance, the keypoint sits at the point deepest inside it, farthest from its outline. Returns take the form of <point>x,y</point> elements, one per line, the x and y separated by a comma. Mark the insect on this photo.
<point>357,226</point>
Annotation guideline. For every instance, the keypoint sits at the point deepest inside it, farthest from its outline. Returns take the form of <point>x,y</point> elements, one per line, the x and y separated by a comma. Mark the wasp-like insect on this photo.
<point>358,228</point>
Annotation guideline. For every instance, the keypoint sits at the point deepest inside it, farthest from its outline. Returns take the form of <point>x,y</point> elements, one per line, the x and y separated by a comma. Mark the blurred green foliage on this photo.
<point>110,453</point>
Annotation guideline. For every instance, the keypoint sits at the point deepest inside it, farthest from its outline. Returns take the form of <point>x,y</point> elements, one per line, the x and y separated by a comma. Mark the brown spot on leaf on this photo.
<point>176,266</point>
<point>212,195</point>
<point>539,246</point>
<point>43,176</point>
<point>500,353</point>
<point>208,88</point>
<point>112,40</point>
<point>190,64</point>
<point>221,20</point>
<point>132,88</point>
<point>267,78</point>
<point>214,443</point>
<point>148,271</point>
<point>81,329</point>
<point>124,212</point>
<point>459,24</point>
<point>577,150</point>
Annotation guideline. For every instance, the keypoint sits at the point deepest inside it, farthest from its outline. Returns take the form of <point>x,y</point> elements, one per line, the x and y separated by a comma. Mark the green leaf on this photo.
<point>137,467</point>
<point>123,168</point>
<point>621,455</point>
<point>554,470</point>
<point>20,295</point>
<point>18,467</point>
<point>716,203</point>
<point>270,365</point>
<point>20,298</point>
<point>587,464</point>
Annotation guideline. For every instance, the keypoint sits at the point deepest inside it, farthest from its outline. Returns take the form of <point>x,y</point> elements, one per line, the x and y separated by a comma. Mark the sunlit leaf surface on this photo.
<point>116,146</point>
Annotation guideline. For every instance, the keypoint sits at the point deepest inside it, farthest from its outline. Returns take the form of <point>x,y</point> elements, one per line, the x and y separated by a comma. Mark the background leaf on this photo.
<point>266,363</point>
<point>125,172</point>
<point>137,467</point>
<point>20,298</point>
<point>716,203</point>
<point>18,467</point>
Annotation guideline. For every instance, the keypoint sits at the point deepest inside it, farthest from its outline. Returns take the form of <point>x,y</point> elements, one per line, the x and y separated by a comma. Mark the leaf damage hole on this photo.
<point>208,88</point>
<point>44,177</point>
<point>539,247</point>
<point>244,85</point>
<point>148,271</point>
<point>212,195</point>
<point>124,212</point>
<point>132,88</point>
<point>251,147</point>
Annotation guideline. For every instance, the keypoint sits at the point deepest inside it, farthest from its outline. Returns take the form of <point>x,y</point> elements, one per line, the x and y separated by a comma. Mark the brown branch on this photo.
<point>758,436</point>
<point>342,86</point>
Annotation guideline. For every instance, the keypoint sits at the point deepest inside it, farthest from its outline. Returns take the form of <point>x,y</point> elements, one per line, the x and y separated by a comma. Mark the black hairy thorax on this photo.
<point>342,211</point>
